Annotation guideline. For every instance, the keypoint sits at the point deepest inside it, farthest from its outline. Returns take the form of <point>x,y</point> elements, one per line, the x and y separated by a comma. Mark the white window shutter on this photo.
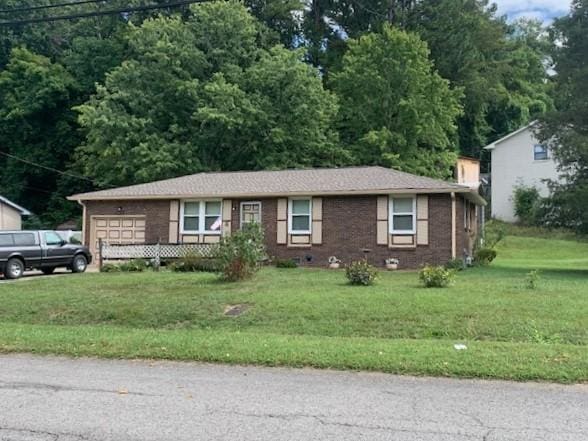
<point>174,219</point>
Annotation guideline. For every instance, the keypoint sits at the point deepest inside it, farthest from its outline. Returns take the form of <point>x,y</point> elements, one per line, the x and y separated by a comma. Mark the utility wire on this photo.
<point>100,13</point>
<point>56,5</point>
<point>26,161</point>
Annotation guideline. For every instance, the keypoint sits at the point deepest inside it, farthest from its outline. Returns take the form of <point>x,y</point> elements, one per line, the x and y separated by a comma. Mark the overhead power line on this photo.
<point>100,13</point>
<point>56,5</point>
<point>26,161</point>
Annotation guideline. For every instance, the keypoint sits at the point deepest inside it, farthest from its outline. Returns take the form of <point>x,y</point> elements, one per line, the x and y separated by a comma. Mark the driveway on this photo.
<point>35,274</point>
<point>44,399</point>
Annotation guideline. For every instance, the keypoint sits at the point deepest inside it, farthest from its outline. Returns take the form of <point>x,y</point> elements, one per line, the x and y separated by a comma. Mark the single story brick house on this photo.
<point>307,214</point>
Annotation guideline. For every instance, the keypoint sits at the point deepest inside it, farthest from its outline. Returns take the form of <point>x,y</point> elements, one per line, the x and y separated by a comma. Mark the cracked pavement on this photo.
<point>61,399</point>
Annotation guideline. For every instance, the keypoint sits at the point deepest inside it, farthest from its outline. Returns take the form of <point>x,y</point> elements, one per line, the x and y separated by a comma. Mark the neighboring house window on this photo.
<point>299,216</point>
<point>201,217</point>
<point>540,152</point>
<point>403,215</point>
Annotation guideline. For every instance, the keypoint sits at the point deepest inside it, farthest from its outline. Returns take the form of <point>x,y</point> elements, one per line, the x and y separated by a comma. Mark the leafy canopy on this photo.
<point>395,109</point>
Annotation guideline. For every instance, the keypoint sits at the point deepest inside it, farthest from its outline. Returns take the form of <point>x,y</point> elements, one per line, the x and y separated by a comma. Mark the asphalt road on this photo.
<point>59,399</point>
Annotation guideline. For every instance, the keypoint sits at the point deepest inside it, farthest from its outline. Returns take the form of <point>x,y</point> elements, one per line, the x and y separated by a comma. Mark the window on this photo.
<point>250,213</point>
<point>6,240</point>
<point>201,217</point>
<point>52,238</point>
<point>540,152</point>
<point>402,215</point>
<point>24,239</point>
<point>299,216</point>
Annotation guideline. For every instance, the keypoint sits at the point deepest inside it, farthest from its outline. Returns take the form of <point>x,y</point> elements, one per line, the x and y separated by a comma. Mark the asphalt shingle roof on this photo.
<point>351,180</point>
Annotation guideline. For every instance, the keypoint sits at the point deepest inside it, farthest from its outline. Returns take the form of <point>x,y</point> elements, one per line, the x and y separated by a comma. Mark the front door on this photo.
<point>250,213</point>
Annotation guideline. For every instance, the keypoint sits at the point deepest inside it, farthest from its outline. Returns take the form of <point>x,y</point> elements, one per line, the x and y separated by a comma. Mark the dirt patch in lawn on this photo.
<point>235,310</point>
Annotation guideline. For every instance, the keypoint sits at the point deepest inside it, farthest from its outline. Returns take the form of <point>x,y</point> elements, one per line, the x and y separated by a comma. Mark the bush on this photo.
<point>494,232</point>
<point>286,263</point>
<point>455,264</point>
<point>527,203</point>
<point>195,263</point>
<point>436,276</point>
<point>132,266</point>
<point>110,268</point>
<point>361,273</point>
<point>240,253</point>
<point>484,256</point>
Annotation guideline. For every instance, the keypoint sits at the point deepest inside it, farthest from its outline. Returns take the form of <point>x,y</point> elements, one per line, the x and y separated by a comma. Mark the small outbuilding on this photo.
<point>11,215</point>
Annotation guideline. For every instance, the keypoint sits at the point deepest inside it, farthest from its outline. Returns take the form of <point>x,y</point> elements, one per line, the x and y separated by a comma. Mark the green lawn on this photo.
<point>311,317</point>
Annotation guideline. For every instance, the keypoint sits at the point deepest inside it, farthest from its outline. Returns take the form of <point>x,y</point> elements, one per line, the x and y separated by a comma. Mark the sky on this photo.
<point>545,10</point>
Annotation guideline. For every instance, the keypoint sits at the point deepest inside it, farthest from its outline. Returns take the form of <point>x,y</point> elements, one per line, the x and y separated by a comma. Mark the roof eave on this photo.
<point>90,197</point>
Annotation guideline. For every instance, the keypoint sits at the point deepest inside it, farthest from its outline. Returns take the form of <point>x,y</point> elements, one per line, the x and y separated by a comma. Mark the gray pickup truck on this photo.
<point>43,250</point>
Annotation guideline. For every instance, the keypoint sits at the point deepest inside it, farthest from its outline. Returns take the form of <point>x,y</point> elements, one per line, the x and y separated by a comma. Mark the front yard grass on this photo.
<point>304,317</point>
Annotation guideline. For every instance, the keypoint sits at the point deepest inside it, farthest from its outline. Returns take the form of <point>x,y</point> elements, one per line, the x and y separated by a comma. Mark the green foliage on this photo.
<point>285,263</point>
<point>411,124</point>
<point>203,94</point>
<point>361,272</point>
<point>132,266</point>
<point>484,256</point>
<point>436,276</point>
<point>532,279</point>
<point>195,263</point>
<point>455,264</point>
<point>241,253</point>
<point>494,232</point>
<point>565,130</point>
<point>526,204</point>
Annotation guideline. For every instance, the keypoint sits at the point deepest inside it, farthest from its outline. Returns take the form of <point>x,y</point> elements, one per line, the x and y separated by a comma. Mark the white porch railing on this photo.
<point>154,251</point>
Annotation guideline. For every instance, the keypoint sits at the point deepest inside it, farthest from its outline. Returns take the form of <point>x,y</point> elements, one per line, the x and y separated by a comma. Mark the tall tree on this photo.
<point>204,94</point>
<point>395,109</point>
<point>566,128</point>
<point>37,125</point>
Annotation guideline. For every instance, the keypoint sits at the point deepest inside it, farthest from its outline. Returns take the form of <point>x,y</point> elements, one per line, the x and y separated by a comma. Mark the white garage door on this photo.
<point>117,230</point>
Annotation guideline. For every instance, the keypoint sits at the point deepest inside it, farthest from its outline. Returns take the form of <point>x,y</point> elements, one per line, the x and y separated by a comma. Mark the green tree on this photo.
<point>395,109</point>
<point>566,128</point>
<point>37,125</point>
<point>205,94</point>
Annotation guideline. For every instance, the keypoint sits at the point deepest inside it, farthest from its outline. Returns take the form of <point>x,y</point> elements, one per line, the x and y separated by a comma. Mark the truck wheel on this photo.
<point>79,264</point>
<point>14,269</point>
<point>48,271</point>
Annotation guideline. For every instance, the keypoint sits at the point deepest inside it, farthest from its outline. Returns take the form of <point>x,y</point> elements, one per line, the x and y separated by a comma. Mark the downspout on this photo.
<point>83,222</point>
<point>453,226</point>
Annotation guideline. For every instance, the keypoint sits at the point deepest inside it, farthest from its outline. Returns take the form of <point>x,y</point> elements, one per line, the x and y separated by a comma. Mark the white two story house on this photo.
<point>518,159</point>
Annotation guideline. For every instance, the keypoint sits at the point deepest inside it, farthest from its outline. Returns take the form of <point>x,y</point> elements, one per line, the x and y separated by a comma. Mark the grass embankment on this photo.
<point>312,318</point>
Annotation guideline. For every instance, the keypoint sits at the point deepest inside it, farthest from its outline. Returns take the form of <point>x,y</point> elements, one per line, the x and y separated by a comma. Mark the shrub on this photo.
<point>484,256</point>
<point>436,276</point>
<point>240,253</point>
<point>286,263</point>
<point>455,264</point>
<point>527,202</point>
<point>193,263</point>
<point>494,232</point>
<point>361,273</point>
<point>110,268</point>
<point>532,279</point>
<point>132,266</point>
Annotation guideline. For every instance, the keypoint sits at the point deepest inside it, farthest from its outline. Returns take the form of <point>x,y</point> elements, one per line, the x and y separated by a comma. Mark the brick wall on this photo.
<point>349,225</point>
<point>156,214</point>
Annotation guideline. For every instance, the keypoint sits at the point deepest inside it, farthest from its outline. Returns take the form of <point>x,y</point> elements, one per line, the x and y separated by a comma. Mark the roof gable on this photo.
<point>493,145</point>
<point>21,210</point>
